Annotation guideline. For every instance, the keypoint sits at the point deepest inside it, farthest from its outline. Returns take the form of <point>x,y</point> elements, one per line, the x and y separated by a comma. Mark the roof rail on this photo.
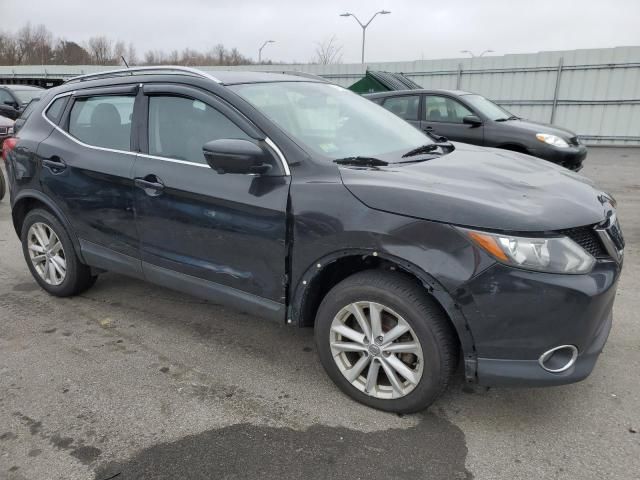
<point>310,76</point>
<point>144,71</point>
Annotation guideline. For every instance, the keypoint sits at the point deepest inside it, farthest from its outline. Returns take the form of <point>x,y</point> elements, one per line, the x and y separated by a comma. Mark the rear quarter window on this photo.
<point>54,112</point>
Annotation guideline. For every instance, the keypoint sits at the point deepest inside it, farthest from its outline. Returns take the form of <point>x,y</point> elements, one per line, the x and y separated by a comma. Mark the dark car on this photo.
<point>14,98</point>
<point>6,130</point>
<point>471,118</point>
<point>301,202</point>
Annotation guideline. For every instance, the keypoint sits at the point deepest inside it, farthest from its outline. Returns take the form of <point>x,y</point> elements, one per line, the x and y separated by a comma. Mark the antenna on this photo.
<point>125,62</point>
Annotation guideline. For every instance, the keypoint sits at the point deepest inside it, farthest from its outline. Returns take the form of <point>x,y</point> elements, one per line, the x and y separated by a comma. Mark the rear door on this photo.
<point>444,115</point>
<point>405,106</point>
<point>87,164</point>
<point>221,236</point>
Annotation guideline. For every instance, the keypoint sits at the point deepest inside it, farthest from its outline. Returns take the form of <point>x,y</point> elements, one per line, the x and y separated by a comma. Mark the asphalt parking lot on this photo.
<point>133,381</point>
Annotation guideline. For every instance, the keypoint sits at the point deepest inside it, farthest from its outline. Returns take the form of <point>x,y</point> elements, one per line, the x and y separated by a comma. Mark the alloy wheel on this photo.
<point>376,350</point>
<point>46,253</point>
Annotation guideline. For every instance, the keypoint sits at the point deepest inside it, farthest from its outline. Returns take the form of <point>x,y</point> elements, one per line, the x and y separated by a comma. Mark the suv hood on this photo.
<point>480,187</point>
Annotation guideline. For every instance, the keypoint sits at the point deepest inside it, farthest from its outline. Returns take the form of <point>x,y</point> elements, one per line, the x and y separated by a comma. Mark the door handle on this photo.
<point>55,164</point>
<point>151,188</point>
<point>428,129</point>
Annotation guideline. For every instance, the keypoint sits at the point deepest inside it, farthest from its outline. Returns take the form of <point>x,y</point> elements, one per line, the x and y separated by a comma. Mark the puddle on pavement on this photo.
<point>433,449</point>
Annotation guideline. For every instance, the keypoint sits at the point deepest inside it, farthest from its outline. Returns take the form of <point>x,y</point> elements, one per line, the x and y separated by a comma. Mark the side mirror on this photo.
<point>237,156</point>
<point>11,103</point>
<point>472,120</point>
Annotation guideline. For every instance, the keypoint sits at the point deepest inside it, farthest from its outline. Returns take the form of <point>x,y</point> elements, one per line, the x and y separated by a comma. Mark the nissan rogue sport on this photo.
<point>298,201</point>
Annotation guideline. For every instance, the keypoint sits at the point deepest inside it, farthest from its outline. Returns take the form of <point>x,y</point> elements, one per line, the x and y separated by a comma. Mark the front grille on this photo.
<point>4,130</point>
<point>588,239</point>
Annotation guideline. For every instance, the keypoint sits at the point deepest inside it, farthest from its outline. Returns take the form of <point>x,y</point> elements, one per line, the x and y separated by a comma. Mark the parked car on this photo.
<point>471,118</point>
<point>299,201</point>
<point>14,98</point>
<point>6,130</point>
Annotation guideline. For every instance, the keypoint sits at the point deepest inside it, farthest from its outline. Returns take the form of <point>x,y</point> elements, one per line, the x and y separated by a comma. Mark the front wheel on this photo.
<point>385,342</point>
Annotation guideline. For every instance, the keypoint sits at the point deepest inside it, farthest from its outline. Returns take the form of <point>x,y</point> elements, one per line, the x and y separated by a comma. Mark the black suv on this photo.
<point>299,201</point>
<point>471,118</point>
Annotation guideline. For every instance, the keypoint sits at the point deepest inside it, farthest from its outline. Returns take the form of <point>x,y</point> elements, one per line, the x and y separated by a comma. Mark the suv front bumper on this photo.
<point>516,315</point>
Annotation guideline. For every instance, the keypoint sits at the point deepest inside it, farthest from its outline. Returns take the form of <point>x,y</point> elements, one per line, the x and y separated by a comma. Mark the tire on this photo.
<point>3,185</point>
<point>402,303</point>
<point>77,277</point>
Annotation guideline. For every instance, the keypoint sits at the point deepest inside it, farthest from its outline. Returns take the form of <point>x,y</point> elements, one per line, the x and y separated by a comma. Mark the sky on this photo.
<point>415,29</point>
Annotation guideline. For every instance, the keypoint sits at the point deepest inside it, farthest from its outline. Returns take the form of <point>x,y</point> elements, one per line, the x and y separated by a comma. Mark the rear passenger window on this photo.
<point>103,121</point>
<point>179,127</point>
<point>405,107</point>
<point>54,112</point>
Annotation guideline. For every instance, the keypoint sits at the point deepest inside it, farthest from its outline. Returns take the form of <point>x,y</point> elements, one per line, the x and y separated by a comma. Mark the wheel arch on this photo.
<point>330,269</point>
<point>28,200</point>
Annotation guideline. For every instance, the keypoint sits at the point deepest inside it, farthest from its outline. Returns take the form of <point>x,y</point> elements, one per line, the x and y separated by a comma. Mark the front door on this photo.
<point>221,236</point>
<point>444,116</point>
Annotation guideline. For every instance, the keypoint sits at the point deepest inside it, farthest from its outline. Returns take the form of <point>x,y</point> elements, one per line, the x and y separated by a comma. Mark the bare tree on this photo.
<point>328,52</point>
<point>101,50</point>
<point>132,57</point>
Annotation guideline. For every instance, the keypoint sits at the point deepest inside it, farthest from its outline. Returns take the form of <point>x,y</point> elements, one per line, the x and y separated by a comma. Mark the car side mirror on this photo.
<point>472,120</point>
<point>232,155</point>
<point>11,103</point>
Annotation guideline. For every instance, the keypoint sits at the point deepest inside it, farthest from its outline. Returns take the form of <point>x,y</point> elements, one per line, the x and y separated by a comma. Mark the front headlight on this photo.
<point>552,140</point>
<point>550,254</point>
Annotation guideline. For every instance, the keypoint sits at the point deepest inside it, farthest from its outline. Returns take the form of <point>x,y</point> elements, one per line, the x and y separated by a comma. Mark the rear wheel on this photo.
<point>385,342</point>
<point>51,257</point>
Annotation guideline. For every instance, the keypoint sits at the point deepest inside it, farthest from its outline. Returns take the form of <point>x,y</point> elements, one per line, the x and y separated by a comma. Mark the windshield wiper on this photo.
<point>446,146</point>
<point>361,161</point>
<point>430,147</point>
<point>512,117</point>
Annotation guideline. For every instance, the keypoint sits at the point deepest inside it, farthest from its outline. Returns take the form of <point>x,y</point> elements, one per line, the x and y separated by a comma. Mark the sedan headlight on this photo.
<point>552,140</point>
<point>544,254</point>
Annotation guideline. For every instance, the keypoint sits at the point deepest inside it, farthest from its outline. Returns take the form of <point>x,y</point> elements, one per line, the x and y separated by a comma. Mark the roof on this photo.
<point>232,77</point>
<point>419,90</point>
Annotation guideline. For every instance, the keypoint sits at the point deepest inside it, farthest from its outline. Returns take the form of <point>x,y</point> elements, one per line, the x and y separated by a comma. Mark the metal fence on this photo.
<point>595,93</point>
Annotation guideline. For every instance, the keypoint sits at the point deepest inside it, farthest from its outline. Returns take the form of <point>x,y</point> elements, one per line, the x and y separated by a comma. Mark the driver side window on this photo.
<point>444,109</point>
<point>180,126</point>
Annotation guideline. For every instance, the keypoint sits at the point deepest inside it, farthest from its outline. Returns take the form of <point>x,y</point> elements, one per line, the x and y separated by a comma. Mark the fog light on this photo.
<point>559,359</point>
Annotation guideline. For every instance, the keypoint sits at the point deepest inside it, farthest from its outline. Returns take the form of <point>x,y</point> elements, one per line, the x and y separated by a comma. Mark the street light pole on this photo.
<point>473,55</point>
<point>364,25</point>
<point>260,49</point>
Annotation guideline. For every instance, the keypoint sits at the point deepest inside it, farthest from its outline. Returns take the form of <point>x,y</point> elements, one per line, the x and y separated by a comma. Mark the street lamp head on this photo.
<point>346,14</point>
<point>384,12</point>
<point>271,41</point>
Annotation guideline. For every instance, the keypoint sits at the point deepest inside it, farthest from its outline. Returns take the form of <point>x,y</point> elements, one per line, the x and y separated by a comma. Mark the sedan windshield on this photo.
<point>331,120</point>
<point>25,96</point>
<point>487,107</point>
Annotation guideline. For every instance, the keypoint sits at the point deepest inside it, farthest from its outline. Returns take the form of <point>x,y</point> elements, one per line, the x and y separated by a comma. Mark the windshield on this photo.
<point>487,107</point>
<point>25,96</point>
<point>331,120</point>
